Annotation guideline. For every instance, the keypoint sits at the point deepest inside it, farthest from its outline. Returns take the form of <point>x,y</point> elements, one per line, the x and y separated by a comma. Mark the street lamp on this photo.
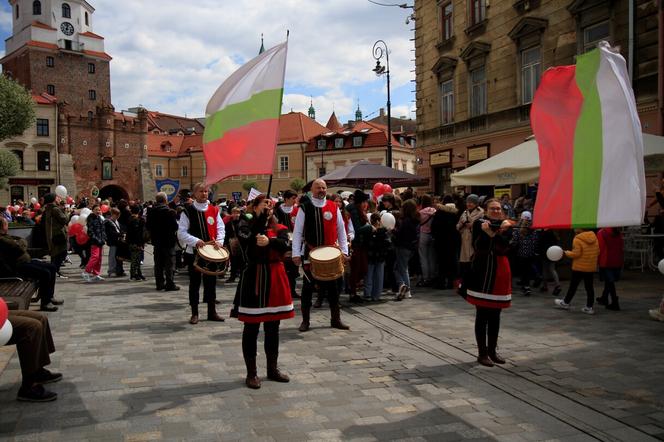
<point>378,53</point>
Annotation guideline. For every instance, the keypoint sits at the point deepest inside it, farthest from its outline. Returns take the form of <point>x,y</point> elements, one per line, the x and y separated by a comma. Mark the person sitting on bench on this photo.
<point>16,261</point>
<point>34,344</point>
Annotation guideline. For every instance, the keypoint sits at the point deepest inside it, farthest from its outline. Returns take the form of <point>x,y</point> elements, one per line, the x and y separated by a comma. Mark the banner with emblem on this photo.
<point>169,187</point>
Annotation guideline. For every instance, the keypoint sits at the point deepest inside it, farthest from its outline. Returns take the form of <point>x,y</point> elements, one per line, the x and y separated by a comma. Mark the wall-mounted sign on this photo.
<point>169,187</point>
<point>440,158</point>
<point>478,153</point>
<point>94,191</point>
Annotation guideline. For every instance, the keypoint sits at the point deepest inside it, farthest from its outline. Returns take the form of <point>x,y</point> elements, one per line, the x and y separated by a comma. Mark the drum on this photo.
<point>327,263</point>
<point>211,261</point>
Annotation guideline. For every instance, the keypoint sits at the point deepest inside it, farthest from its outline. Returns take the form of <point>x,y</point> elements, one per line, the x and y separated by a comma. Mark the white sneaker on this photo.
<point>560,303</point>
<point>98,278</point>
<point>408,294</point>
<point>85,276</point>
<point>588,310</point>
<point>403,288</point>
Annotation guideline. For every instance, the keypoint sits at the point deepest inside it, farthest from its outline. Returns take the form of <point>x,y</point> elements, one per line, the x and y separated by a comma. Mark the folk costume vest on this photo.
<point>203,224</point>
<point>320,224</point>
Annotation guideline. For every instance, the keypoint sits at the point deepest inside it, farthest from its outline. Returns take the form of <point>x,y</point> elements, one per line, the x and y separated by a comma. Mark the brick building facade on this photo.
<point>53,50</point>
<point>478,64</point>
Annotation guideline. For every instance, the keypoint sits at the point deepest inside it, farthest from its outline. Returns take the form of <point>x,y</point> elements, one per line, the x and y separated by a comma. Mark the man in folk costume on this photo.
<point>199,224</point>
<point>285,213</point>
<point>318,223</point>
<point>263,293</point>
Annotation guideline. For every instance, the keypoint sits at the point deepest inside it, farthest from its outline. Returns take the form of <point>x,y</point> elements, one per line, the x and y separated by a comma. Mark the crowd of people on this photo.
<point>387,247</point>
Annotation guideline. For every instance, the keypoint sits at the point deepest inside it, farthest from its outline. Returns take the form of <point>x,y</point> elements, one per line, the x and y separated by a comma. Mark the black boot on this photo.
<point>252,381</point>
<point>212,313</point>
<point>614,304</point>
<point>194,315</point>
<point>493,355</point>
<point>335,318</point>
<point>483,354</point>
<point>306,312</point>
<point>273,372</point>
<point>319,301</point>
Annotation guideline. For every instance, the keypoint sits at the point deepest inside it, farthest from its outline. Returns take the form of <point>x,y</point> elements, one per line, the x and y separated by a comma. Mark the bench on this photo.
<point>17,292</point>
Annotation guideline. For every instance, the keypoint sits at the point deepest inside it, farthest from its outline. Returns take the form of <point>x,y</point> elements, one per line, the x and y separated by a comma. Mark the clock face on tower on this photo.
<point>67,28</point>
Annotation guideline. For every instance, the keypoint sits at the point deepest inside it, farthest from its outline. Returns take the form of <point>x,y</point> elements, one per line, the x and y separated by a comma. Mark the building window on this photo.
<point>19,154</point>
<point>17,12</point>
<point>87,19</point>
<point>477,11</point>
<point>322,143</point>
<point>159,170</point>
<point>92,94</point>
<point>43,190</point>
<point>17,193</point>
<point>338,143</point>
<point>36,7</point>
<point>50,89</point>
<point>531,70</point>
<point>283,164</point>
<point>402,141</point>
<point>446,16</point>
<point>42,127</point>
<point>107,170</point>
<point>478,93</point>
<point>43,160</point>
<point>66,10</point>
<point>357,141</point>
<point>447,102</point>
<point>50,62</point>
<point>91,116</point>
<point>594,34</point>
<point>184,171</point>
<point>91,68</point>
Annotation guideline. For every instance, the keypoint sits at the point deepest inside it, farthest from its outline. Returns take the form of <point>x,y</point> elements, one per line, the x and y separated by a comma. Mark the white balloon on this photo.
<point>388,221</point>
<point>33,200</point>
<point>554,253</point>
<point>6,333</point>
<point>86,212</point>
<point>61,191</point>
<point>83,219</point>
<point>660,266</point>
<point>74,219</point>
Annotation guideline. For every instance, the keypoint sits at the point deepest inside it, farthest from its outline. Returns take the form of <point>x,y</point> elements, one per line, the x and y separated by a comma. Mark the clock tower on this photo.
<point>53,49</point>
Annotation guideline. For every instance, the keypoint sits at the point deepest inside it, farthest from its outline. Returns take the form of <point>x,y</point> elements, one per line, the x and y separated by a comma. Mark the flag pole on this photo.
<point>281,102</point>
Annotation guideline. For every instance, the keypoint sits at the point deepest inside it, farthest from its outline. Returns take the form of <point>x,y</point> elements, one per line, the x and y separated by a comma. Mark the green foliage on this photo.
<point>247,185</point>
<point>17,111</point>
<point>10,166</point>
<point>297,184</point>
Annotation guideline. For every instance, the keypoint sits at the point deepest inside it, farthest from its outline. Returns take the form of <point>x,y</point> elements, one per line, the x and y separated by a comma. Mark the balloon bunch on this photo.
<point>6,329</point>
<point>379,189</point>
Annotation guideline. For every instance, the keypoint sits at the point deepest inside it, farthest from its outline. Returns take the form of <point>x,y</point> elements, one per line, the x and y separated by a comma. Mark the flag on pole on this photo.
<point>590,145</point>
<point>253,194</point>
<point>242,118</point>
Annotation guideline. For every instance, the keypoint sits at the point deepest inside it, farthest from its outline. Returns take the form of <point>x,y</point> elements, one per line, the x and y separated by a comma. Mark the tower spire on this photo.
<point>262,49</point>
<point>312,111</point>
<point>358,112</point>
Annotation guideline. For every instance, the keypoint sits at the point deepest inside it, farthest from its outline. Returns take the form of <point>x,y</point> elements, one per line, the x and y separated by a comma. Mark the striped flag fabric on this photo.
<point>242,118</point>
<point>588,131</point>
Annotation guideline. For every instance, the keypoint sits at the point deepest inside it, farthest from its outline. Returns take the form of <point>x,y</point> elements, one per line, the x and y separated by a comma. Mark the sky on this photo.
<point>171,55</point>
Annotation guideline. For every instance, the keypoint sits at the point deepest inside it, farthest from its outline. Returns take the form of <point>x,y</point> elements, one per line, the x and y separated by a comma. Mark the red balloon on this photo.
<point>105,208</point>
<point>387,188</point>
<point>36,206</point>
<point>378,189</point>
<point>74,229</point>
<point>10,209</point>
<point>4,312</point>
<point>82,237</point>
<point>70,200</point>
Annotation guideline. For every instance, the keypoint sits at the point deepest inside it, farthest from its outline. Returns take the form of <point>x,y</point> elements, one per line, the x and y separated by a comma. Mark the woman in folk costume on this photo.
<point>489,285</point>
<point>263,293</point>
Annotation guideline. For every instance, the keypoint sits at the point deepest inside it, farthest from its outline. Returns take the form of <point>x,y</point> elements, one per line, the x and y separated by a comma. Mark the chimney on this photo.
<point>351,124</point>
<point>382,112</point>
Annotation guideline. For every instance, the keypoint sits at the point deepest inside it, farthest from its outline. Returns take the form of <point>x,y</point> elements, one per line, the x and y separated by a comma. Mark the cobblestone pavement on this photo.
<point>136,370</point>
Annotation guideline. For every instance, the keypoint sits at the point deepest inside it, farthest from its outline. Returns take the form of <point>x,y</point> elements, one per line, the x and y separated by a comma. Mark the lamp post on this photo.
<point>380,50</point>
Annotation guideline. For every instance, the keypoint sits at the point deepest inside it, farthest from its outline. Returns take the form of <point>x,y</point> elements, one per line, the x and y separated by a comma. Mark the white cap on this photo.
<point>527,215</point>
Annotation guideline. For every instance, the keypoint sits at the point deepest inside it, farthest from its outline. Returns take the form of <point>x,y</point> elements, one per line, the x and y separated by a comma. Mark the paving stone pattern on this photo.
<point>135,370</point>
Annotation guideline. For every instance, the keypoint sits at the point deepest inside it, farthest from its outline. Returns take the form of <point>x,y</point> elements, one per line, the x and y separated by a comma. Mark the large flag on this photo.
<point>242,122</point>
<point>590,145</point>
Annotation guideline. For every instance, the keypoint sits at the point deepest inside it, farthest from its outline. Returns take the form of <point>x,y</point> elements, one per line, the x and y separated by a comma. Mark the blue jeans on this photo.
<point>401,266</point>
<point>428,257</point>
<point>373,281</point>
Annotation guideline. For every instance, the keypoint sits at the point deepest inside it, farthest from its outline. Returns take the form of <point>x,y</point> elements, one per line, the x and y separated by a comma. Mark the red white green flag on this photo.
<point>242,118</point>
<point>590,145</point>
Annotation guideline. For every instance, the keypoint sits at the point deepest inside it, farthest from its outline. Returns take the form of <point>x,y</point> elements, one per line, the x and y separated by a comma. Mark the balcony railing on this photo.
<point>501,120</point>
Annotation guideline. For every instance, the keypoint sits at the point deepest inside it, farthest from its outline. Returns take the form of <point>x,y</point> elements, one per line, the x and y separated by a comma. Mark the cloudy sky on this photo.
<point>170,55</point>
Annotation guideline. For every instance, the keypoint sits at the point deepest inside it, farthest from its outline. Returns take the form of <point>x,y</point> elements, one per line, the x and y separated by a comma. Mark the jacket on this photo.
<point>96,230</point>
<point>465,227</point>
<point>55,227</point>
<point>611,248</point>
<point>113,233</point>
<point>405,234</point>
<point>162,224</point>
<point>379,245</point>
<point>584,253</point>
<point>136,232</point>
